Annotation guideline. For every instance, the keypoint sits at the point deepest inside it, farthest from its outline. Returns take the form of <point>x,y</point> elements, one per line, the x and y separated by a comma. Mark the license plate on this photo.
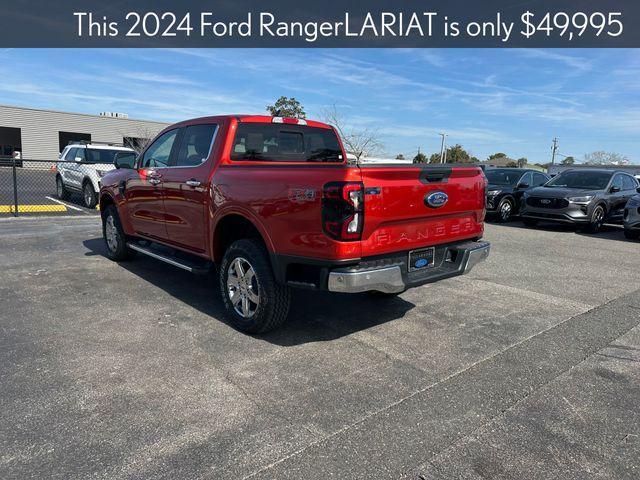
<point>421,259</point>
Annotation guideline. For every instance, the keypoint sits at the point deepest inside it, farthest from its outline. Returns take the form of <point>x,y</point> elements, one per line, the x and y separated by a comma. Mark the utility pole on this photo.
<point>554,149</point>
<point>443,151</point>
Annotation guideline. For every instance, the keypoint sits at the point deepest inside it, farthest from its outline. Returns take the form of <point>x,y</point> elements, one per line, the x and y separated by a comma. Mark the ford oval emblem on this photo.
<point>423,262</point>
<point>436,199</point>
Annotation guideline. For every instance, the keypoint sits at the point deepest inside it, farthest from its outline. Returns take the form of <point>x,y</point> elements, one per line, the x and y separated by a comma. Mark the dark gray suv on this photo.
<point>584,197</point>
<point>632,217</point>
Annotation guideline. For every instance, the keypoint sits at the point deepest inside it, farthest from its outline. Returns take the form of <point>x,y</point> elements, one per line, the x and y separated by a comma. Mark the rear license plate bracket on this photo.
<point>421,259</point>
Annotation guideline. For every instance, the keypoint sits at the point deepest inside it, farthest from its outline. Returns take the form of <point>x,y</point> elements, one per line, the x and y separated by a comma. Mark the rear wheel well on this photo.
<point>228,230</point>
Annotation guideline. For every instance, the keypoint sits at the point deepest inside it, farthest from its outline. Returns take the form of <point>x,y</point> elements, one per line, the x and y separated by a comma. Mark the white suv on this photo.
<point>80,167</point>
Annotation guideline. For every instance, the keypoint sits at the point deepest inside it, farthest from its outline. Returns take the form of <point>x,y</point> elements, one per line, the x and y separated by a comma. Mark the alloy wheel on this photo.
<point>505,211</point>
<point>598,217</point>
<point>88,194</point>
<point>111,233</point>
<point>243,288</point>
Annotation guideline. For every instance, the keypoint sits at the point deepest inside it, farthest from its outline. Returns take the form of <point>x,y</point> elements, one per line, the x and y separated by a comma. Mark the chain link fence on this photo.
<point>41,187</point>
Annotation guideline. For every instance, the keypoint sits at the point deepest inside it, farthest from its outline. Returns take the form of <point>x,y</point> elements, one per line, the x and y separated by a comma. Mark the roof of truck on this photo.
<point>247,118</point>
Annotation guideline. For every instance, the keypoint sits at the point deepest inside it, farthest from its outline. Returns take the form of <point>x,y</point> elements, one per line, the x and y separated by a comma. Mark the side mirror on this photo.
<point>522,186</point>
<point>614,189</point>
<point>125,160</point>
<point>78,159</point>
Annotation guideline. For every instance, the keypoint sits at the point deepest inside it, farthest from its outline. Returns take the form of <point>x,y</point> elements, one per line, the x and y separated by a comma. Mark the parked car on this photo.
<point>273,204</point>
<point>506,188</point>
<point>585,197</point>
<point>82,166</point>
<point>632,217</point>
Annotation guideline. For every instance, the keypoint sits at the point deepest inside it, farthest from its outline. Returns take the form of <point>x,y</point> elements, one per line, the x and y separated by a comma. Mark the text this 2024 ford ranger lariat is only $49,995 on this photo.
<point>272,203</point>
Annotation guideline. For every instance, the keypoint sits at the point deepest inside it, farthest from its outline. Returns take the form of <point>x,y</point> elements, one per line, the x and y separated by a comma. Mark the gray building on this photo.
<point>631,169</point>
<point>42,134</point>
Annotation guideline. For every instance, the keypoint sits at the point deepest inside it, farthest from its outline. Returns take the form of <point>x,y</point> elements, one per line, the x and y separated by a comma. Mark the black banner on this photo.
<point>298,23</point>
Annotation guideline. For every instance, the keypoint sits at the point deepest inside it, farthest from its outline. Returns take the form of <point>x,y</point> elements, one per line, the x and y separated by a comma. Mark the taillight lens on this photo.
<point>343,210</point>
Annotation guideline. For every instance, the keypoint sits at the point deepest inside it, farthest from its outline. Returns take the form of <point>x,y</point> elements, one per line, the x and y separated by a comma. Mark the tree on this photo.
<point>359,142</point>
<point>512,164</point>
<point>496,156</point>
<point>400,157</point>
<point>287,107</point>
<point>434,158</point>
<point>605,158</point>
<point>522,161</point>
<point>420,158</point>
<point>457,154</point>
<point>568,161</point>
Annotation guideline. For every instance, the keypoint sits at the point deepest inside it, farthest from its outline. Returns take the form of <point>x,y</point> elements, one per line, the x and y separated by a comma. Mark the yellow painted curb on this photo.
<point>32,208</point>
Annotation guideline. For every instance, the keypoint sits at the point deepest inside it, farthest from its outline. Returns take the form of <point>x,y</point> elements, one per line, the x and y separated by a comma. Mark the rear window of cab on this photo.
<point>265,142</point>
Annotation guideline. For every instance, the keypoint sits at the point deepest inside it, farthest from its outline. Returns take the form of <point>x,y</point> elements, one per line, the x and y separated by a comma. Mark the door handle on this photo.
<point>193,183</point>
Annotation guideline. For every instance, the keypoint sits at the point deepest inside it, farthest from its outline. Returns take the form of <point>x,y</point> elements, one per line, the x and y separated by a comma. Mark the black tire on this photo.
<point>89,195</point>
<point>116,246</point>
<point>504,213</point>
<point>631,234</point>
<point>274,299</point>
<point>530,222</point>
<point>597,219</point>
<point>61,191</point>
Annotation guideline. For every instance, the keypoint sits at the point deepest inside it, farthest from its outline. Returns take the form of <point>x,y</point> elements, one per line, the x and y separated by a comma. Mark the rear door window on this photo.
<point>267,142</point>
<point>196,145</point>
<point>628,183</point>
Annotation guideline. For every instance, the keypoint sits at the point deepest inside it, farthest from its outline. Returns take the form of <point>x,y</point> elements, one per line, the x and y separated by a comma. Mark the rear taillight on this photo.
<point>343,210</point>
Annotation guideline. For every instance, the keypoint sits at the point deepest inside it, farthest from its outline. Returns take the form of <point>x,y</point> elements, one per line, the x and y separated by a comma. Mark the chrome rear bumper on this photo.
<point>396,278</point>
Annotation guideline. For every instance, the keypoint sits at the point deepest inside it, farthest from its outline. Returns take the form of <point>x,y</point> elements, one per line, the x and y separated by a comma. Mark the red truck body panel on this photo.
<point>284,201</point>
<point>397,217</point>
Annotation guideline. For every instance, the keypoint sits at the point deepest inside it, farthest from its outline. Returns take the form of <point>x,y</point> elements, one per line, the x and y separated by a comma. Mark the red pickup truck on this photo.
<point>273,204</point>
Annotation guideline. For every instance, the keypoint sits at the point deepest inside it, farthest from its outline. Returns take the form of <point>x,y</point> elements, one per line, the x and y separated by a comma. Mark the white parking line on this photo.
<point>65,204</point>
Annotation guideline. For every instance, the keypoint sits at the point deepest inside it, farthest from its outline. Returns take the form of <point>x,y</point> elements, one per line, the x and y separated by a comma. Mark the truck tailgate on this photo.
<point>398,213</point>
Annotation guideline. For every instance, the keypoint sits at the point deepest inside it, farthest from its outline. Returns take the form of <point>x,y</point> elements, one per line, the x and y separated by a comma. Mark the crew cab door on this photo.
<point>618,197</point>
<point>629,186</point>
<point>186,187</point>
<point>144,190</point>
<point>405,209</point>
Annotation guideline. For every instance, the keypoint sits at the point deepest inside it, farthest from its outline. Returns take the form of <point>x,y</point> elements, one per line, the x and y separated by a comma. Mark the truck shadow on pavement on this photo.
<point>313,317</point>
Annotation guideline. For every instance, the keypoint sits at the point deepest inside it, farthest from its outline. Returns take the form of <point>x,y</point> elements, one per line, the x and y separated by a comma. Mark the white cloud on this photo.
<point>155,78</point>
<point>578,64</point>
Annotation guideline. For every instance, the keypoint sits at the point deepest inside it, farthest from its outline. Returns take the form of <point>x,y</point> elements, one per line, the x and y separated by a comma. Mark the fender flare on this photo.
<point>248,215</point>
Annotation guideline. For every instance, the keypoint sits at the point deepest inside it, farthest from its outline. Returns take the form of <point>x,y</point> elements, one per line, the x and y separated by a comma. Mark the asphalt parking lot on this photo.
<point>529,367</point>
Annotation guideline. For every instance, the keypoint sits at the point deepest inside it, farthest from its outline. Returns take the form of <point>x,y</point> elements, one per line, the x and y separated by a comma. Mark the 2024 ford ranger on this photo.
<point>272,203</point>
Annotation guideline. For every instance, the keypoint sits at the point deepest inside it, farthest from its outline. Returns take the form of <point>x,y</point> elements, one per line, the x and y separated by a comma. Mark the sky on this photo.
<point>488,100</point>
